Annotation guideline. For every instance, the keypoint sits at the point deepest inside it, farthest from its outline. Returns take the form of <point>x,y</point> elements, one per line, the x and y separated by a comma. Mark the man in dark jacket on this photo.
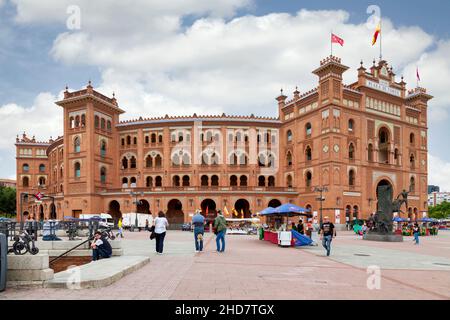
<point>300,227</point>
<point>101,248</point>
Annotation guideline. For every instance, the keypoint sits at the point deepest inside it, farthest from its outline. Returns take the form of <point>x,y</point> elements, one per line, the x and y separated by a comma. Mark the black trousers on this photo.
<point>160,241</point>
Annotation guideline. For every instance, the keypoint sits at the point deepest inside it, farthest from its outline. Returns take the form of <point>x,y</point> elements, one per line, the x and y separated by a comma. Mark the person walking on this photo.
<point>327,233</point>
<point>198,221</point>
<point>146,225</point>
<point>220,225</point>
<point>161,225</point>
<point>416,233</point>
<point>120,226</point>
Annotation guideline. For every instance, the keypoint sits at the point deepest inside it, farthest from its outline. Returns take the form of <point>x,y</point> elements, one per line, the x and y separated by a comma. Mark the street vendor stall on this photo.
<point>279,233</point>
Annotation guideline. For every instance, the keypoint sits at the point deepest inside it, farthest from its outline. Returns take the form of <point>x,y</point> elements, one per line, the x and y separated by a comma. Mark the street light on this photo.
<point>135,195</point>
<point>321,199</point>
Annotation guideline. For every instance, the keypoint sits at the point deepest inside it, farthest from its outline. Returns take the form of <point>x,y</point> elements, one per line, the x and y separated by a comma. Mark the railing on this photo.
<point>202,188</point>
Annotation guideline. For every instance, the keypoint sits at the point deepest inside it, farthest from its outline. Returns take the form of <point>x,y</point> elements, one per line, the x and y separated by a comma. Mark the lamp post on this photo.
<point>135,195</point>
<point>321,199</point>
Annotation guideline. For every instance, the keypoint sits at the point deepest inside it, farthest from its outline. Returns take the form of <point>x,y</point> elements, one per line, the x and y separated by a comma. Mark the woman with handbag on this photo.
<point>160,225</point>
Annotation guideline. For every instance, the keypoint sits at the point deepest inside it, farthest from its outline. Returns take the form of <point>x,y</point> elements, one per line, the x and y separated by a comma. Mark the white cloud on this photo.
<point>43,119</point>
<point>439,172</point>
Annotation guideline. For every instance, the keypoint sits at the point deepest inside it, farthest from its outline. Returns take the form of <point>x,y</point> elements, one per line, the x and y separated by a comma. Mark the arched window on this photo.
<point>133,182</point>
<point>271,181</point>
<point>134,140</point>
<point>308,179</point>
<point>243,181</point>
<point>77,145</point>
<point>289,136</point>
<point>160,138</point>
<point>77,121</point>
<point>215,181</point>
<point>25,167</point>
<point>128,140</point>
<point>103,175</point>
<point>233,181</point>
<point>149,161</point>
<point>25,182</point>
<point>61,173</point>
<point>103,148</point>
<point>204,181</point>
<point>411,138</point>
<point>41,168</point>
<point>41,181</point>
<point>158,161</point>
<point>83,120</point>
<point>351,125</point>
<point>102,124</point>
<point>186,159</point>
<point>186,181</point>
<point>124,163</point>
<point>147,140</point>
<point>396,157</point>
<point>108,125</point>
<point>308,153</point>
<point>289,181</point>
<point>412,161</point>
<point>351,178</point>
<point>124,182</point>
<point>71,123</point>
<point>96,121</point>
<point>149,182</point>
<point>133,162</point>
<point>355,212</point>
<point>308,129</point>
<point>351,151</point>
<point>153,138</point>
<point>289,159</point>
<point>261,181</point>
<point>77,169</point>
<point>158,181</point>
<point>176,181</point>
<point>412,185</point>
<point>123,141</point>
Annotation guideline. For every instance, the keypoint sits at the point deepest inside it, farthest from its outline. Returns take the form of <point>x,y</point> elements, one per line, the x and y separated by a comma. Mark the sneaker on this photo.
<point>197,250</point>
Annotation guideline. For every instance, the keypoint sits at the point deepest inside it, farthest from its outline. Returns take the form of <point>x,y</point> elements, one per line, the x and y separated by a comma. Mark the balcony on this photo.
<point>187,189</point>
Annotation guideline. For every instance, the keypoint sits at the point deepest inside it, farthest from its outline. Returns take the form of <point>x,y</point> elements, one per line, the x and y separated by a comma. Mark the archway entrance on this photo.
<point>274,203</point>
<point>384,186</point>
<point>41,213</point>
<point>114,211</point>
<point>53,211</point>
<point>212,212</point>
<point>143,207</point>
<point>243,205</point>
<point>175,214</point>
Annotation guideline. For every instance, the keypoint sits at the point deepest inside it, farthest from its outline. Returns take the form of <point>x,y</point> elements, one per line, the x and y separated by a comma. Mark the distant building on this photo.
<point>432,189</point>
<point>436,198</point>
<point>8,183</point>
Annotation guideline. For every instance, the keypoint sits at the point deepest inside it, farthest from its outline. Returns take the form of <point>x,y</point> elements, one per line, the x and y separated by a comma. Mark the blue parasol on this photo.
<point>398,219</point>
<point>267,211</point>
<point>290,209</point>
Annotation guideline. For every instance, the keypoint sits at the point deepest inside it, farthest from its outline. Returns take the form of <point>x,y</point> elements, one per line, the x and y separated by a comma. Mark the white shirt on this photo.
<point>160,225</point>
<point>98,242</point>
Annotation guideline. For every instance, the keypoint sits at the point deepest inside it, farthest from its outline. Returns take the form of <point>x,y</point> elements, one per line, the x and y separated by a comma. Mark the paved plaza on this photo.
<point>254,269</point>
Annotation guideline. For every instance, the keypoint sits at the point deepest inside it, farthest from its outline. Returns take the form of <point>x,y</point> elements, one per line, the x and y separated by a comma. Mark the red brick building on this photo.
<point>348,138</point>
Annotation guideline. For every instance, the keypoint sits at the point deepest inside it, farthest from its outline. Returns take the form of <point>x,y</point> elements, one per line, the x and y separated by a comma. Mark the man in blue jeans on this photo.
<point>198,222</point>
<point>101,248</point>
<point>220,224</point>
<point>327,233</point>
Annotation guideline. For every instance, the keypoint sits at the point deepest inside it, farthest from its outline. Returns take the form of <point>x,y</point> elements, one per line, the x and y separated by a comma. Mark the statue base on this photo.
<point>383,237</point>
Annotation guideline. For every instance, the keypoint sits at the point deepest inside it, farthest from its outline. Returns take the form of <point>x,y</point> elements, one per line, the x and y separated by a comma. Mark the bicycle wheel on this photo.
<point>19,248</point>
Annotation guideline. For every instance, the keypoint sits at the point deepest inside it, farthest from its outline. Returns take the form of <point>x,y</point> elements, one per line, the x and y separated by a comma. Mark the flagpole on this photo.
<point>381,41</point>
<point>331,40</point>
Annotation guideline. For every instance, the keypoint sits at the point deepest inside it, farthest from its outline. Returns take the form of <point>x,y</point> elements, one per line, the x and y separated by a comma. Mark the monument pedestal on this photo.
<point>383,237</point>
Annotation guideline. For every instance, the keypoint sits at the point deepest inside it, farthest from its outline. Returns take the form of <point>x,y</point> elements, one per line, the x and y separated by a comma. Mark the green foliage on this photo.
<point>441,211</point>
<point>7,201</point>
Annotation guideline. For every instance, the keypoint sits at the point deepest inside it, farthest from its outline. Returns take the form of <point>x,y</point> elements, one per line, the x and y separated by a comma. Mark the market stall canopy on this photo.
<point>398,219</point>
<point>244,219</point>
<point>267,211</point>
<point>428,220</point>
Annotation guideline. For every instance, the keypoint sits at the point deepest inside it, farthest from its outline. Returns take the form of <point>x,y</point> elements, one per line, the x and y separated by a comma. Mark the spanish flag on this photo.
<point>226,211</point>
<point>376,34</point>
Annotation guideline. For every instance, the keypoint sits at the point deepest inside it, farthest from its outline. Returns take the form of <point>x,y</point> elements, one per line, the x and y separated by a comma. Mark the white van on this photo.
<point>129,220</point>
<point>106,219</point>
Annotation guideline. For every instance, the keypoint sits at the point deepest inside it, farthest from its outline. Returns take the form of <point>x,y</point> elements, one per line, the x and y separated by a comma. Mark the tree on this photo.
<point>7,201</point>
<point>441,211</point>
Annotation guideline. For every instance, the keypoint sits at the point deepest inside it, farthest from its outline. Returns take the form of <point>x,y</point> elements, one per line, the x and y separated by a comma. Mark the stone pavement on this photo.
<point>254,269</point>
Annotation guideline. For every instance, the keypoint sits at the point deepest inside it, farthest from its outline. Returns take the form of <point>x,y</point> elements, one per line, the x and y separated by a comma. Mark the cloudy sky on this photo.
<point>206,56</point>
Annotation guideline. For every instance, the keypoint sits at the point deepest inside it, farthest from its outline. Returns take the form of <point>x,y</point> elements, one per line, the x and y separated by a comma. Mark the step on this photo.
<point>97,274</point>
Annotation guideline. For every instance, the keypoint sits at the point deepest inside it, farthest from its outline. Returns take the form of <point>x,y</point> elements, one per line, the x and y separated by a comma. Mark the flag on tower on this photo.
<point>376,34</point>
<point>336,39</point>
<point>417,74</point>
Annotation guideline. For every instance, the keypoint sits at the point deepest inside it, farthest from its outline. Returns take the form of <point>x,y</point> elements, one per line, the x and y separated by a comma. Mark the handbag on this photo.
<point>152,234</point>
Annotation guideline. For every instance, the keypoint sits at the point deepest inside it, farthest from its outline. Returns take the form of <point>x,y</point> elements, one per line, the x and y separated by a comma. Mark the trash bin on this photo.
<point>3,261</point>
<point>261,234</point>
